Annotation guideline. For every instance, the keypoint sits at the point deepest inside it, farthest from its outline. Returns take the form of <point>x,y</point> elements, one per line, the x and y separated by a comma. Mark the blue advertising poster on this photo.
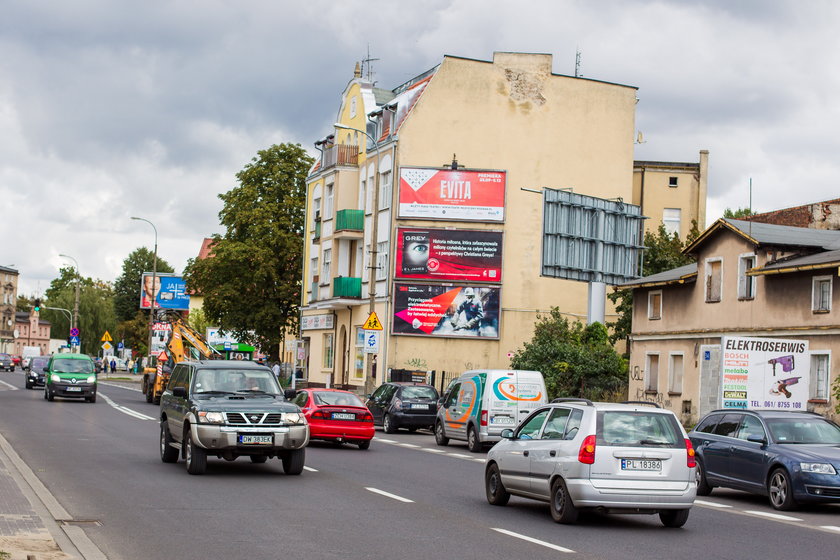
<point>170,292</point>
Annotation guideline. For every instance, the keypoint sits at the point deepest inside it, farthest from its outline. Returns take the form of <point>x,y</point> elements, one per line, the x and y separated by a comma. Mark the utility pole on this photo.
<point>74,323</point>
<point>154,284</point>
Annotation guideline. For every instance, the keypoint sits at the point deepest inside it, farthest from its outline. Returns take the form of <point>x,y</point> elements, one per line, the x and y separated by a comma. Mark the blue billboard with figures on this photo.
<point>169,292</point>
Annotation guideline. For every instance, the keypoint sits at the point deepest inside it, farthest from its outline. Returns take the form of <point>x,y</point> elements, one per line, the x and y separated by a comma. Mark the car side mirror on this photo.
<point>46,369</point>
<point>180,392</point>
<point>756,438</point>
<point>507,434</point>
<point>289,394</point>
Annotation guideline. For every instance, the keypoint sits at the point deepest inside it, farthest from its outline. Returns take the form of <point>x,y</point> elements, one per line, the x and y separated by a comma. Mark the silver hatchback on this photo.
<point>608,457</point>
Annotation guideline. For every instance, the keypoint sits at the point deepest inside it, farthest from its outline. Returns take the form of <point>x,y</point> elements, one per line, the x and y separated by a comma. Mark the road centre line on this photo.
<point>10,386</point>
<point>772,515</point>
<point>432,450</point>
<point>119,386</point>
<point>533,540</point>
<point>385,440</point>
<point>310,469</point>
<point>710,504</point>
<point>389,495</point>
<point>461,456</point>
<point>830,528</point>
<point>409,445</point>
<point>125,410</point>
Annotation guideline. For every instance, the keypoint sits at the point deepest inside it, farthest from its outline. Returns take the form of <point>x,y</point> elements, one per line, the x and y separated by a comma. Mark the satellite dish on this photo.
<point>640,138</point>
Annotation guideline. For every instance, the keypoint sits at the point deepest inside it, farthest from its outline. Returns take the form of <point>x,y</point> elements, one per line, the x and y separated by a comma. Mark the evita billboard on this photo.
<point>454,255</point>
<point>169,291</point>
<point>452,194</point>
<point>446,311</point>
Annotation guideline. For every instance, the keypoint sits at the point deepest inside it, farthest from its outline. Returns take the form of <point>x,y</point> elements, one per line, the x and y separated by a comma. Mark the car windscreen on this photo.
<point>336,399</point>
<point>804,430</point>
<point>418,392</point>
<point>65,365</point>
<point>39,363</point>
<point>631,428</point>
<point>235,380</point>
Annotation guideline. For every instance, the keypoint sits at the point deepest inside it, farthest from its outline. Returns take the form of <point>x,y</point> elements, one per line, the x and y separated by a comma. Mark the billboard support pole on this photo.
<point>153,298</point>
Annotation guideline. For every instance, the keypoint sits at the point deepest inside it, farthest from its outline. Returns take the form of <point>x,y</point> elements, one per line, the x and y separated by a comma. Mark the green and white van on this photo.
<point>70,376</point>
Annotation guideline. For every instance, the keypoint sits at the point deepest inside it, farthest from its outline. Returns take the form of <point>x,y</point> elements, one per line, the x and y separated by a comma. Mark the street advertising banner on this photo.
<point>448,194</point>
<point>449,254</point>
<point>169,291</point>
<point>446,311</point>
<point>765,373</point>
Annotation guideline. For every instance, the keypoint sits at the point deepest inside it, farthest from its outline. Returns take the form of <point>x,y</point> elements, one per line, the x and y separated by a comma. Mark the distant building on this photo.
<point>8,288</point>
<point>671,193</point>
<point>32,331</point>
<point>819,215</point>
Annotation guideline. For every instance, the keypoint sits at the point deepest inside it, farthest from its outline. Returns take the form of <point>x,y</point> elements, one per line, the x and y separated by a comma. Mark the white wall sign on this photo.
<point>372,342</point>
<point>310,322</point>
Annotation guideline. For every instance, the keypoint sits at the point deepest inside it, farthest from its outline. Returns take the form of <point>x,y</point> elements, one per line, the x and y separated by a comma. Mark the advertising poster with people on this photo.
<point>169,292</point>
<point>449,254</point>
<point>765,373</point>
<point>446,311</point>
<point>452,194</point>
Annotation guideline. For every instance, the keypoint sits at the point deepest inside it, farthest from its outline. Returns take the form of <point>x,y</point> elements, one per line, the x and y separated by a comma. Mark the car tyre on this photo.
<point>149,393</point>
<point>388,425</point>
<point>294,460</point>
<point>28,384</point>
<point>473,442</point>
<point>495,490</point>
<point>674,518</point>
<point>258,459</point>
<point>196,457</point>
<point>562,508</point>
<point>703,486</point>
<point>363,445</point>
<point>91,399</point>
<point>168,454</point>
<point>780,490</point>
<point>440,434</point>
<point>49,395</point>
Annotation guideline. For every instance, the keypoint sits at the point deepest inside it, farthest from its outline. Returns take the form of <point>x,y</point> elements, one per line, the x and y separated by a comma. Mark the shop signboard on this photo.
<point>452,194</point>
<point>463,255</point>
<point>446,311</point>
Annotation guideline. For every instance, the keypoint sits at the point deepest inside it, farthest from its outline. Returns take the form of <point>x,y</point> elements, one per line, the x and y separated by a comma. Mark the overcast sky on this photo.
<point>111,109</point>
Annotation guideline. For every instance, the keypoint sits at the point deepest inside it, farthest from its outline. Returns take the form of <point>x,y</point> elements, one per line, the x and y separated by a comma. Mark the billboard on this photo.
<point>446,311</point>
<point>446,254</point>
<point>765,373</point>
<point>452,194</point>
<point>170,292</point>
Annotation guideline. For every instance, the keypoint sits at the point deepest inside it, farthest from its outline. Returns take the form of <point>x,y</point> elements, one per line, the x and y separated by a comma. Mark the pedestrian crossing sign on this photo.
<point>373,323</point>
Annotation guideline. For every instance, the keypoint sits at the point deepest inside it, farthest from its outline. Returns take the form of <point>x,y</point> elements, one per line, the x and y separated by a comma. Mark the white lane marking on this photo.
<point>119,386</point>
<point>389,495</point>
<point>830,528</point>
<point>408,445</point>
<point>125,410</point>
<point>710,504</point>
<point>310,469</point>
<point>9,385</point>
<point>460,455</point>
<point>773,515</point>
<point>533,540</point>
<point>385,440</point>
<point>433,450</point>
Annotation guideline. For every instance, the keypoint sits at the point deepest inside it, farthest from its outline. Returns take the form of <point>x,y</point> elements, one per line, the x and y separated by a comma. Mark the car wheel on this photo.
<point>780,490</point>
<point>49,396</point>
<point>28,384</point>
<point>562,508</point>
<point>258,459</point>
<point>473,443</point>
<point>364,445</point>
<point>703,486</point>
<point>388,425</point>
<point>495,490</point>
<point>674,517</point>
<point>293,461</point>
<point>168,454</point>
<point>196,457</point>
<point>91,399</point>
<point>149,394</point>
<point>440,434</point>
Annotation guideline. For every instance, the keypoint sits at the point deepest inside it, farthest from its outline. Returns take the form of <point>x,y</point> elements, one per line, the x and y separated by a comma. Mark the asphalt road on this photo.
<point>405,497</point>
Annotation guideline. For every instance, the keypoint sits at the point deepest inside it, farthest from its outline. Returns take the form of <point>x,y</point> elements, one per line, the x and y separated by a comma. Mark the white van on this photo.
<point>481,403</point>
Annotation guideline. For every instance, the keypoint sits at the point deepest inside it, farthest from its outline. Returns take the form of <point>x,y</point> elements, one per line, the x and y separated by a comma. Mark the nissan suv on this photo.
<point>608,457</point>
<point>229,409</point>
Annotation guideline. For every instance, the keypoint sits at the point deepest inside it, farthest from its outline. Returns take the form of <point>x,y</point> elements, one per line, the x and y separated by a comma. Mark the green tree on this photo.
<point>24,303</point>
<point>251,283</point>
<point>738,213</point>
<point>198,320</point>
<point>128,284</point>
<point>135,333</point>
<point>96,310</point>
<point>576,360</point>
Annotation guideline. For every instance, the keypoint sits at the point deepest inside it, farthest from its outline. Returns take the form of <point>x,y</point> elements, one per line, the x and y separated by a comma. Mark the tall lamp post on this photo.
<point>154,283</point>
<point>75,322</point>
<point>374,239</point>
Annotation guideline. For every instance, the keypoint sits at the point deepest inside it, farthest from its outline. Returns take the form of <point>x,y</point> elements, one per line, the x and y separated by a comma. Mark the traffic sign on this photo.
<point>106,337</point>
<point>107,346</point>
<point>120,345</point>
<point>373,323</point>
<point>162,357</point>
<point>74,332</point>
<point>372,342</point>
<point>227,345</point>
<point>74,341</point>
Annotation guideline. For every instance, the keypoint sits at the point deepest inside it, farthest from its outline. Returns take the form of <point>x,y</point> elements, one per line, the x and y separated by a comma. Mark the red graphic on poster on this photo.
<point>426,315</point>
<point>447,194</point>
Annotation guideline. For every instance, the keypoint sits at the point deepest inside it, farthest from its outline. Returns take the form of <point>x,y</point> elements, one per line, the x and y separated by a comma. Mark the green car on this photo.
<point>70,376</point>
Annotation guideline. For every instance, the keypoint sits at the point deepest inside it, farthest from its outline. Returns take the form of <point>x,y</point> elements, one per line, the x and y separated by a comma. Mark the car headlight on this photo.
<point>818,468</point>
<point>55,378</point>
<point>91,379</point>
<point>294,418</point>
<point>211,417</point>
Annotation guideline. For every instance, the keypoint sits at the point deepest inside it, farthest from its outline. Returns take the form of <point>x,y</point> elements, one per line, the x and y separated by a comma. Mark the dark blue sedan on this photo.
<point>791,457</point>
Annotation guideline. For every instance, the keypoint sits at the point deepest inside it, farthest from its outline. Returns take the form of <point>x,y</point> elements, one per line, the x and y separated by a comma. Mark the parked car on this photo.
<point>790,457</point>
<point>6,363</point>
<point>396,405</point>
<point>480,404</point>
<point>578,455</point>
<point>35,376</point>
<point>338,416</point>
<point>70,376</point>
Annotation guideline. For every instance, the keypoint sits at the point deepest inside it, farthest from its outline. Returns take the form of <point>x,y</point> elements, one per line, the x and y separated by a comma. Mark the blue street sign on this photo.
<point>227,345</point>
<point>74,341</point>
<point>120,345</point>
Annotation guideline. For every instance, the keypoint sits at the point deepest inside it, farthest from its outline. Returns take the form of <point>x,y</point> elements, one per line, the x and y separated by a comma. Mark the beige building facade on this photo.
<point>672,193</point>
<point>32,332</point>
<point>8,288</point>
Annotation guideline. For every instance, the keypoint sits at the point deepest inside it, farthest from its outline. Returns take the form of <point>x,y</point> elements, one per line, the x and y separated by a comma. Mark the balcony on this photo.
<point>340,154</point>
<point>349,224</point>
<point>347,287</point>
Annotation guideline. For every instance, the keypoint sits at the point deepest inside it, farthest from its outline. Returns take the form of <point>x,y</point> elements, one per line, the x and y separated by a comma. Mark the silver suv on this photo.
<point>609,457</point>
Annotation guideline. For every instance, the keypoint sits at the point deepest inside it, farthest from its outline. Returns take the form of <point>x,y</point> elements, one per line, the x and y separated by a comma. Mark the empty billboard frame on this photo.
<point>590,239</point>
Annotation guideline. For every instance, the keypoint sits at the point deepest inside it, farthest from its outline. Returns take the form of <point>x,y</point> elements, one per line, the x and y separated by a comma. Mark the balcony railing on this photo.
<point>340,154</point>
<point>347,287</point>
<point>350,220</point>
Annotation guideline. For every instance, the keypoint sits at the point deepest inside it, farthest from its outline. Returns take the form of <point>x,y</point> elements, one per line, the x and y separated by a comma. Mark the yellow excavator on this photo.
<point>184,342</point>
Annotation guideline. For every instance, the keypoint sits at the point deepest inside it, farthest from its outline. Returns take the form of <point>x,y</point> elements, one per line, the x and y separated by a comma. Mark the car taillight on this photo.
<point>691,461</point>
<point>586,455</point>
<point>483,417</point>
<point>367,417</point>
<point>321,414</point>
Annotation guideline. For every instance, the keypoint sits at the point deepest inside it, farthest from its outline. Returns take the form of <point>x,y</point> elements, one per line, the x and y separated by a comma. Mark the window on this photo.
<point>746,284</point>
<point>728,426</point>
<point>751,426</point>
<point>328,351</point>
<point>652,373</point>
<point>385,190</point>
<point>672,182</point>
<point>821,294</point>
<point>382,260</point>
<point>328,203</point>
<point>671,218</point>
<point>655,305</point>
<point>556,425</point>
<point>714,279</point>
<point>531,428</point>
<point>362,194</point>
<point>819,376</point>
<point>675,373</point>
<point>325,266</point>
<point>316,211</point>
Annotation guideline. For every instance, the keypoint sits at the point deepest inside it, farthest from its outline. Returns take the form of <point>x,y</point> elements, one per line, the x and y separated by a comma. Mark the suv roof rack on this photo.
<point>573,399</point>
<point>648,403</point>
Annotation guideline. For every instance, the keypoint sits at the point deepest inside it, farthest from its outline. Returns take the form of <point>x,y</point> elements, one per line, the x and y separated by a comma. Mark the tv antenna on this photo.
<point>577,63</point>
<point>367,67</point>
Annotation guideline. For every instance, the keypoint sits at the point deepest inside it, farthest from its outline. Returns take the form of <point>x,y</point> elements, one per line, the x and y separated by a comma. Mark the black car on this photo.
<point>35,371</point>
<point>791,457</point>
<point>7,363</point>
<point>398,405</point>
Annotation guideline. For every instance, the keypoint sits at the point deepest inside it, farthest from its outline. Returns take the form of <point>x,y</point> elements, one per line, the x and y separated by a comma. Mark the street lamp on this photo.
<point>154,283</point>
<point>75,322</point>
<point>374,234</point>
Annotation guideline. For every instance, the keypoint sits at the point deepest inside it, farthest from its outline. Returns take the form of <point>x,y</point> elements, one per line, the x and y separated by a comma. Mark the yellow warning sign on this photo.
<point>106,337</point>
<point>373,323</point>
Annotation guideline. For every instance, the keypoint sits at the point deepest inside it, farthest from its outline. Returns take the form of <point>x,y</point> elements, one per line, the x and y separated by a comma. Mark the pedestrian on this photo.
<point>129,365</point>
<point>275,369</point>
<point>105,364</point>
<point>113,365</point>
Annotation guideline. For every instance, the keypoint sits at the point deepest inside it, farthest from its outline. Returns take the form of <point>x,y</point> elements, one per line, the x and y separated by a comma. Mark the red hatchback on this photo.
<point>336,415</point>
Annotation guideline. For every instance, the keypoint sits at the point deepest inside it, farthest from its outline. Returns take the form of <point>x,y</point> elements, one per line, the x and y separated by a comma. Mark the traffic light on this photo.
<point>37,306</point>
